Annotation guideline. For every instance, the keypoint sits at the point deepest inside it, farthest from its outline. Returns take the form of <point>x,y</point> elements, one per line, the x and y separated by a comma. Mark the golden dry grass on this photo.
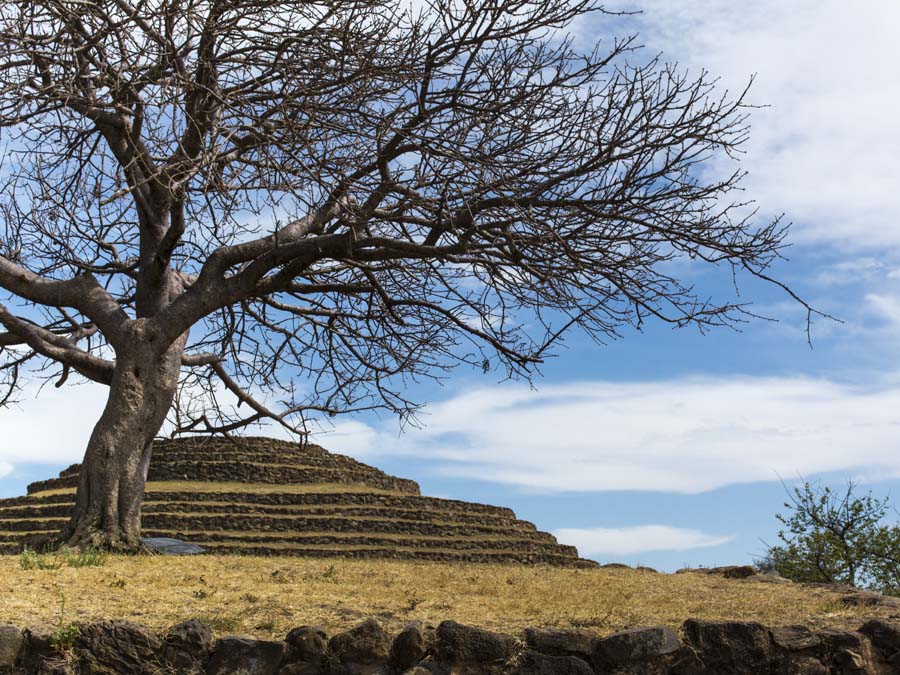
<point>250,488</point>
<point>268,596</point>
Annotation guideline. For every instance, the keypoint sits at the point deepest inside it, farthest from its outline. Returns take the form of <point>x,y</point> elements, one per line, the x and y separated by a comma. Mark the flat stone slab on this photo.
<point>168,546</point>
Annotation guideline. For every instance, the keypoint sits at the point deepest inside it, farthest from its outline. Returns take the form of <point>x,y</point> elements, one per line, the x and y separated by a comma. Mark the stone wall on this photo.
<point>702,648</point>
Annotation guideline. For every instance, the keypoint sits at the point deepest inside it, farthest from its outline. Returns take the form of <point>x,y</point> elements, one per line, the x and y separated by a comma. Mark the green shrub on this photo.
<point>836,537</point>
<point>53,560</point>
<point>31,560</point>
<point>63,639</point>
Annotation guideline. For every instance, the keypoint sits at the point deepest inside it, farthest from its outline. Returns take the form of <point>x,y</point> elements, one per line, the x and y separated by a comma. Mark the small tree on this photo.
<point>314,202</point>
<point>838,538</point>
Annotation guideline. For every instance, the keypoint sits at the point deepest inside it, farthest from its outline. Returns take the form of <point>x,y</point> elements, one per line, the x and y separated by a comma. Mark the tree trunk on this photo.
<point>114,471</point>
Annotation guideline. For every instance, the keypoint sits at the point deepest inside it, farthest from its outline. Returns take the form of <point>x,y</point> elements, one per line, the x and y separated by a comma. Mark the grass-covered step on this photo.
<point>371,540</point>
<point>33,524</point>
<point>343,510</point>
<point>295,457</point>
<point>212,470</point>
<point>400,553</point>
<point>194,521</point>
<point>266,494</point>
<point>17,537</point>
<point>59,510</point>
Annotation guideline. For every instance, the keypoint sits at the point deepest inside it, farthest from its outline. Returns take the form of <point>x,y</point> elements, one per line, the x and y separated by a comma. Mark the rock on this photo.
<point>115,647</point>
<point>306,669</point>
<point>850,662</point>
<point>238,655</point>
<point>556,642</point>
<point>806,665</point>
<point>364,649</point>
<point>870,599</point>
<point>38,647</point>
<point>188,645</point>
<point>410,646</point>
<point>644,568</point>
<point>615,566</point>
<point>306,644</point>
<point>731,647</point>
<point>885,636</point>
<point>12,643</point>
<point>645,646</point>
<point>535,663</point>
<point>771,578</point>
<point>168,546</point>
<point>795,639</point>
<point>474,651</point>
<point>55,666</point>
<point>731,571</point>
<point>459,644</point>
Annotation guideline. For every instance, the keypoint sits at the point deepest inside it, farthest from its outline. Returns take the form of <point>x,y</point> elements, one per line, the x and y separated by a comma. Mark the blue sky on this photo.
<point>667,448</point>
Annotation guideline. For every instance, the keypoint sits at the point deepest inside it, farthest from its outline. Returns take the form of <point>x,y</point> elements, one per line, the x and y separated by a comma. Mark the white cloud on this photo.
<point>598,541</point>
<point>53,427</point>
<point>825,151</point>
<point>885,306</point>
<point>5,469</point>
<point>681,435</point>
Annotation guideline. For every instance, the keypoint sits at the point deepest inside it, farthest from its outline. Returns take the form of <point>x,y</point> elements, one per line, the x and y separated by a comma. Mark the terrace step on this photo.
<point>368,540</point>
<point>402,554</point>
<point>259,496</point>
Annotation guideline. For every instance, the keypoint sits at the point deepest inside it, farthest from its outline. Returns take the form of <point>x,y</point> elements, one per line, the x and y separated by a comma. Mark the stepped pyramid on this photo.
<point>270,497</point>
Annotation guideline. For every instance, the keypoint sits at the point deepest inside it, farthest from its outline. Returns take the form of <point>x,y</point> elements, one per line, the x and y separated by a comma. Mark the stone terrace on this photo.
<point>264,496</point>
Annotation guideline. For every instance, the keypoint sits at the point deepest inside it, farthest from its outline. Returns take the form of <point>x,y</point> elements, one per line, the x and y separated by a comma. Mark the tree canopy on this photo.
<point>308,204</point>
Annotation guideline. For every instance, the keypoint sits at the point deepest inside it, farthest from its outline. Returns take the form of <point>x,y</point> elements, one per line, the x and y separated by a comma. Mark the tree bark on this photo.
<point>114,471</point>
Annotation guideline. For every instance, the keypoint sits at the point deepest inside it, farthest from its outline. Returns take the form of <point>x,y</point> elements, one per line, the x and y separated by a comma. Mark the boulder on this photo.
<point>362,650</point>
<point>466,650</point>
<point>558,642</point>
<point>796,639</point>
<point>535,663</point>
<point>651,648</point>
<point>169,546</point>
<point>731,647</point>
<point>870,599</point>
<point>12,644</point>
<point>410,646</point>
<point>885,636</point>
<point>306,644</point>
<point>845,650</point>
<point>459,644</point>
<point>115,647</point>
<point>38,647</point>
<point>238,655</point>
<point>187,646</point>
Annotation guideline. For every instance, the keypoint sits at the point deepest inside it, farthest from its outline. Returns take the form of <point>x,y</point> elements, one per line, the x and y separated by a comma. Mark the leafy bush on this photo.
<point>837,537</point>
<point>63,639</point>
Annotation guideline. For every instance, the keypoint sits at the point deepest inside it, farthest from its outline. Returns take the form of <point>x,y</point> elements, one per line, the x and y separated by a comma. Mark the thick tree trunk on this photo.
<point>114,472</point>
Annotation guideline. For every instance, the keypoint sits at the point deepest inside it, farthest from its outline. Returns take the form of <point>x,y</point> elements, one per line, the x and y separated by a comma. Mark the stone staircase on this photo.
<point>260,496</point>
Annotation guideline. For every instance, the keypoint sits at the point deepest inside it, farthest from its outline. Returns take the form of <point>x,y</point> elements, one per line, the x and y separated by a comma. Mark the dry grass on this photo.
<point>267,596</point>
<point>250,488</point>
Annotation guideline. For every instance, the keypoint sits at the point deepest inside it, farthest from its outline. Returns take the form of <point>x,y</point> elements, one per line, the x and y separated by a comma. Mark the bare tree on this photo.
<point>307,203</point>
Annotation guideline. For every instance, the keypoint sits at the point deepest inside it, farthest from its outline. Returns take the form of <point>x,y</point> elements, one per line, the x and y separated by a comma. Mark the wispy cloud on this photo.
<point>823,152</point>
<point>5,469</point>
<point>598,541</point>
<point>887,307</point>
<point>682,435</point>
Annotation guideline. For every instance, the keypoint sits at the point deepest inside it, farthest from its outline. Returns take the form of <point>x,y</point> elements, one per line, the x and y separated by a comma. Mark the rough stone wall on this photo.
<point>701,648</point>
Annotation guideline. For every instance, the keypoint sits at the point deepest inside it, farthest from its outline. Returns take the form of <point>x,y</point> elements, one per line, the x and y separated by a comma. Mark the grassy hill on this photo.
<point>266,596</point>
